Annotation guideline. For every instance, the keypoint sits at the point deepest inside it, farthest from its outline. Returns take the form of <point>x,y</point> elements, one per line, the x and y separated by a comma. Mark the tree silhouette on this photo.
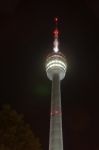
<point>15,134</point>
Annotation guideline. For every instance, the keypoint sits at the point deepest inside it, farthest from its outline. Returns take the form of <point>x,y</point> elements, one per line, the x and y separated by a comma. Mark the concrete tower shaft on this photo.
<point>56,138</point>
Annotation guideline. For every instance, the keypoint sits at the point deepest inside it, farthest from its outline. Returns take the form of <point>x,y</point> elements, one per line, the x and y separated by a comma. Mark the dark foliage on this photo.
<point>14,133</point>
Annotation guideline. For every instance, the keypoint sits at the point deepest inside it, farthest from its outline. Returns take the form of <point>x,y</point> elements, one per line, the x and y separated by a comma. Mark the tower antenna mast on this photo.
<point>56,35</point>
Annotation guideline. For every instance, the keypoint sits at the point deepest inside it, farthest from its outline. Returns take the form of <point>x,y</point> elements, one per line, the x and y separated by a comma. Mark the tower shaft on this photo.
<point>56,137</point>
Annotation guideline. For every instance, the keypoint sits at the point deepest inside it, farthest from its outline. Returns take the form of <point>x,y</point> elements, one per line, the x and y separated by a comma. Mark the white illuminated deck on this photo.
<point>56,64</point>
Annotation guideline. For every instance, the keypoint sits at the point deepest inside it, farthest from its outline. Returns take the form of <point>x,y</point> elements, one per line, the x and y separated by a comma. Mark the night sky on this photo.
<point>25,40</point>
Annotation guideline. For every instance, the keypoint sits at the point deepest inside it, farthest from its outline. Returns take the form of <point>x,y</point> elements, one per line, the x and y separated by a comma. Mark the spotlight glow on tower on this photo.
<point>56,69</point>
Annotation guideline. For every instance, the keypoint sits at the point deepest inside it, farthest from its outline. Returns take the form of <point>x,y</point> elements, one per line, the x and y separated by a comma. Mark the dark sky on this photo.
<point>26,39</point>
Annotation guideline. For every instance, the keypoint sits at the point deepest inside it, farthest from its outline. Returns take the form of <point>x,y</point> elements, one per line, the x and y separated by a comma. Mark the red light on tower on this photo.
<point>56,32</point>
<point>56,19</point>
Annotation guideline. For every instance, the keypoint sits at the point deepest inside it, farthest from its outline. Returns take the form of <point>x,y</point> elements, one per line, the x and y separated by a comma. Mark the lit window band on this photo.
<point>56,65</point>
<point>56,62</point>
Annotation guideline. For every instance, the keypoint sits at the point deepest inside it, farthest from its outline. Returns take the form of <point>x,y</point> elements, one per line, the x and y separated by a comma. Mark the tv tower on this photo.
<point>56,69</point>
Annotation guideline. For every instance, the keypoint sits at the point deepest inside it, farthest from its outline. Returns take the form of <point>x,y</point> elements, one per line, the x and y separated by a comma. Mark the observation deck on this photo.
<point>56,64</point>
